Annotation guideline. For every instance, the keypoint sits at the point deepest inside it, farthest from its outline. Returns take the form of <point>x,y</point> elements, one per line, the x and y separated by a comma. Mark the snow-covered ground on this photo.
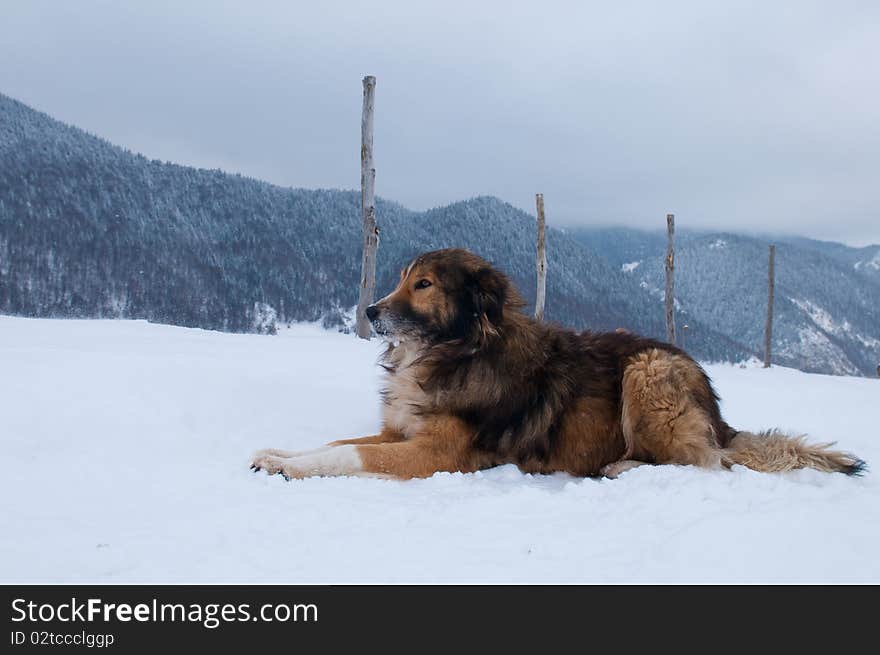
<point>125,459</point>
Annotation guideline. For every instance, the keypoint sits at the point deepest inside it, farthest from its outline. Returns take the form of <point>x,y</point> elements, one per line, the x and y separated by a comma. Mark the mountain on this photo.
<point>88,229</point>
<point>865,261</point>
<point>827,299</point>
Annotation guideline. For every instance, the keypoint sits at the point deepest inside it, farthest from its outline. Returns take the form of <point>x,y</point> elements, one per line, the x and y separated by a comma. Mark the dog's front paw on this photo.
<point>271,464</point>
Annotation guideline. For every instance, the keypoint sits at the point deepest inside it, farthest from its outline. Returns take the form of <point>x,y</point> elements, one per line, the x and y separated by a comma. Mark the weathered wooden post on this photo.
<point>768,329</point>
<point>368,209</point>
<point>670,279</point>
<point>542,259</point>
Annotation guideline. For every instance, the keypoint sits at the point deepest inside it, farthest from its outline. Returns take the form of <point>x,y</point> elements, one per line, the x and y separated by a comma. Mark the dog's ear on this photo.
<point>489,293</point>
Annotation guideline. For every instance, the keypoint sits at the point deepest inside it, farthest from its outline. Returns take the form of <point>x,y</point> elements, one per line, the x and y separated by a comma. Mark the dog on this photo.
<point>472,382</point>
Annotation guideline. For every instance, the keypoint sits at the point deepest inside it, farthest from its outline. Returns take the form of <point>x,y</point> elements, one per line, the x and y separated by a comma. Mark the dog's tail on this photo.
<point>773,451</point>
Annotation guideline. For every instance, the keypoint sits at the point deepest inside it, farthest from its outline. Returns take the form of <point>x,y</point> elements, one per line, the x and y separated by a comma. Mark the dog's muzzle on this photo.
<point>379,324</point>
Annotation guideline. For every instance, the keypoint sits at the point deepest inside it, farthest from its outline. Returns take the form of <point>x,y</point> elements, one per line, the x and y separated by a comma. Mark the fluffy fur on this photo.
<point>472,382</point>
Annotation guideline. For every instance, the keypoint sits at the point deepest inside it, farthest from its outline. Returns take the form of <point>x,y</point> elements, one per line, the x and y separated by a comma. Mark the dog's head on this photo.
<point>446,295</point>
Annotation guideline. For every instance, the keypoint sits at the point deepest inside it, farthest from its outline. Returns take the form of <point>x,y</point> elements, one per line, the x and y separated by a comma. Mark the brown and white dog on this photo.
<point>473,382</point>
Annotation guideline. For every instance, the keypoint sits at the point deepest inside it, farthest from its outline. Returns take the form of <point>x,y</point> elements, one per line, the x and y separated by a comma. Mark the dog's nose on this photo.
<point>372,312</point>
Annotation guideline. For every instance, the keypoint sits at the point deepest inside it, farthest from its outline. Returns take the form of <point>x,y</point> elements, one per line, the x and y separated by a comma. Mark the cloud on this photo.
<point>738,115</point>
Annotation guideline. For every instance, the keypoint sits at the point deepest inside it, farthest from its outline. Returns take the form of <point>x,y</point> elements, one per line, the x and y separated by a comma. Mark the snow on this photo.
<point>660,294</point>
<point>822,349</point>
<point>819,316</point>
<point>874,263</point>
<point>817,343</point>
<point>125,459</point>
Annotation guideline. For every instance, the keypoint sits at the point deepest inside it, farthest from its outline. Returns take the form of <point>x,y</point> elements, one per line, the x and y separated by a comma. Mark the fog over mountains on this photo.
<point>88,229</point>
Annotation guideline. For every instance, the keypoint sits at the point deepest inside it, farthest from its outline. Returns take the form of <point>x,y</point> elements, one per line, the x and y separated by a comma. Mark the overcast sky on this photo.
<point>751,116</point>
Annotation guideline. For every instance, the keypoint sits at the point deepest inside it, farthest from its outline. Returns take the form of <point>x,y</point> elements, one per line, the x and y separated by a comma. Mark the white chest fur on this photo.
<point>403,395</point>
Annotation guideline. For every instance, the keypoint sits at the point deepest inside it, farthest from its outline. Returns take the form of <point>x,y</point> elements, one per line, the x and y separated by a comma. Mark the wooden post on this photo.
<point>768,329</point>
<point>670,279</point>
<point>368,209</point>
<point>542,259</point>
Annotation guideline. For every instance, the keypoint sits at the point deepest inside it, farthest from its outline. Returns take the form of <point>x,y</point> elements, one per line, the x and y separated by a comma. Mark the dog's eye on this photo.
<point>423,284</point>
